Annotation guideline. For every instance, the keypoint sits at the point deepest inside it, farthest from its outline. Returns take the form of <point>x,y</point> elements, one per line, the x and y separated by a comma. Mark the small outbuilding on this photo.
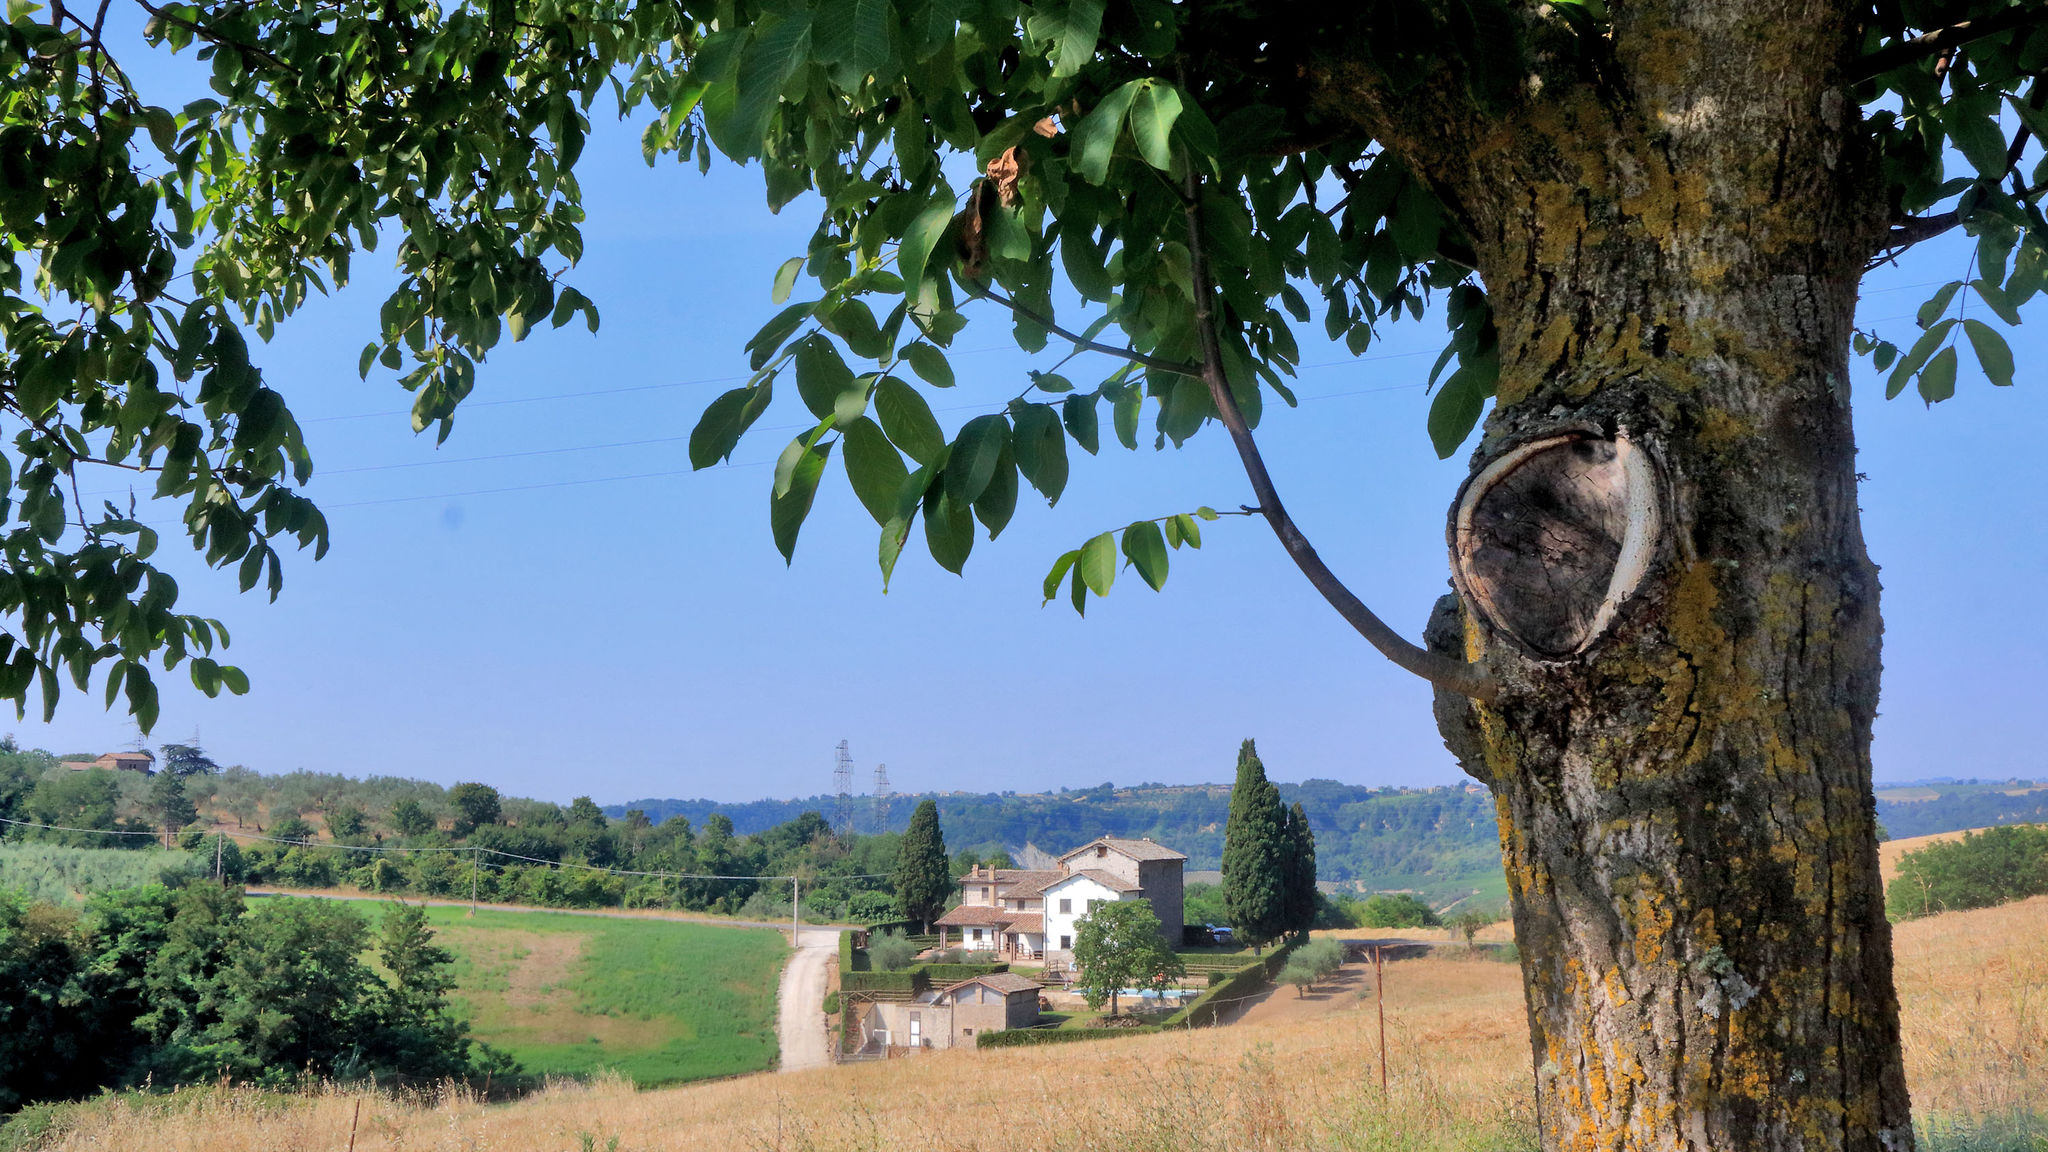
<point>951,1017</point>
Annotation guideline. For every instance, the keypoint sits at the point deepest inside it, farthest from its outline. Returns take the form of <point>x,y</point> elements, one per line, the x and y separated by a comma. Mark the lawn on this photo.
<point>659,1002</point>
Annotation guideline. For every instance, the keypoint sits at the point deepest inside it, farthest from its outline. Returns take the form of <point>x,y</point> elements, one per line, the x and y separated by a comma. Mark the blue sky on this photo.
<point>553,603</point>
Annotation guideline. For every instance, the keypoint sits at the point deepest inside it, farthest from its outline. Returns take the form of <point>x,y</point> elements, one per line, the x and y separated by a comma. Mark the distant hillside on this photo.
<point>1439,841</point>
<point>1925,807</point>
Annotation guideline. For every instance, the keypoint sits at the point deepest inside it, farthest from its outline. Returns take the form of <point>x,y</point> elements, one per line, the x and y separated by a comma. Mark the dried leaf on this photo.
<point>1004,171</point>
<point>973,232</point>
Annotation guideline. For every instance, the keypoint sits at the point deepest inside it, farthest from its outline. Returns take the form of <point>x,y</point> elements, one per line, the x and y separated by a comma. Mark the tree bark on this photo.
<point>1672,235</point>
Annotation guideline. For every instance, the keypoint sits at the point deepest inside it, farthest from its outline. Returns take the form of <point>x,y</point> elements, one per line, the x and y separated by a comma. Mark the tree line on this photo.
<point>1982,869</point>
<point>395,837</point>
<point>161,986</point>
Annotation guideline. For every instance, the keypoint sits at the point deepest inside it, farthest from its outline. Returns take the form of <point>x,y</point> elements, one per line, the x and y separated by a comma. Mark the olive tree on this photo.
<point>1644,221</point>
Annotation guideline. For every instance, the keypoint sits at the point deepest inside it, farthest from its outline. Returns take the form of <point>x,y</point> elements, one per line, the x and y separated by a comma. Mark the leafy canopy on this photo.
<point>1150,182</point>
<point>1118,946</point>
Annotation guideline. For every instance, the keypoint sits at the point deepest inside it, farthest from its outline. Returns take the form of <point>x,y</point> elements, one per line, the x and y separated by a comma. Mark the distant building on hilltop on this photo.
<point>142,762</point>
<point>1031,914</point>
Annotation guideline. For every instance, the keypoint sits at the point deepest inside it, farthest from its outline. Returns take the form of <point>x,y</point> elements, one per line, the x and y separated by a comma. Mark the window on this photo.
<point>984,893</point>
<point>1066,942</point>
<point>977,934</point>
<point>1066,906</point>
<point>1101,851</point>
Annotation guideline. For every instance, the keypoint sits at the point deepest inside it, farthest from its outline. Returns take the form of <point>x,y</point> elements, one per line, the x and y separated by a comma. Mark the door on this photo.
<point>916,1030</point>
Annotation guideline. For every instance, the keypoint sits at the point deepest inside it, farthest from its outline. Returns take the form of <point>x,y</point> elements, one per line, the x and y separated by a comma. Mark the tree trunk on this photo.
<point>1672,244</point>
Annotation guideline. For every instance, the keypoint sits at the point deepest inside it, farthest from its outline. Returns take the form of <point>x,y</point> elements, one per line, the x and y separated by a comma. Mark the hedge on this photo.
<point>1029,1037</point>
<point>954,973</point>
<point>1247,980</point>
<point>849,959</point>
<point>911,981</point>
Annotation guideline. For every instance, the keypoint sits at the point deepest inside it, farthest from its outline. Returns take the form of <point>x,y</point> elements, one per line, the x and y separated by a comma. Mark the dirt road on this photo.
<point>801,999</point>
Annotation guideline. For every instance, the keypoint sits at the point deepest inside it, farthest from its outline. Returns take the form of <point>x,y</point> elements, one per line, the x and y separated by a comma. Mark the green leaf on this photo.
<point>769,339</point>
<point>874,468</point>
<point>1994,355</point>
<point>1938,382</point>
<point>976,451</point>
<point>796,483</point>
<point>920,238</point>
<point>1145,547</point>
<point>1097,566</point>
<point>1995,299</point>
<point>1916,356</point>
<point>1073,30</point>
<point>719,430</point>
<point>1153,112</point>
<point>785,278</point>
<point>1040,447</point>
<point>948,529</point>
<point>930,365</point>
<point>1095,137</point>
<point>998,501</point>
<point>896,532</point>
<point>1190,532</point>
<point>824,380</point>
<point>1078,414</point>
<point>869,50</point>
<point>1972,124</point>
<point>771,59</point>
<point>1059,572</point>
<point>1931,310</point>
<point>1124,414</point>
<point>908,420</point>
<point>1455,411</point>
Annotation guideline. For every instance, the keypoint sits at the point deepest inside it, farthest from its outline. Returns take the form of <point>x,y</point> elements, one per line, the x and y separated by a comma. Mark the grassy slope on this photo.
<point>1970,982</point>
<point>657,1002</point>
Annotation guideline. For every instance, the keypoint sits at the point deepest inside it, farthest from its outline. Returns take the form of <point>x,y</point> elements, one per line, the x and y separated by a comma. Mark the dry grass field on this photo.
<point>1974,987</point>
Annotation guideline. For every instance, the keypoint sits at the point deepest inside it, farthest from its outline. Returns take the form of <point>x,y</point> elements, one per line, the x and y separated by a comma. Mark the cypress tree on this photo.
<point>1255,871</point>
<point>1301,870</point>
<point>924,877</point>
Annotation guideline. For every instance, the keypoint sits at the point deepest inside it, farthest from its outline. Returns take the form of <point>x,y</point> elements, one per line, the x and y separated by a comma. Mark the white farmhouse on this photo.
<point>1031,915</point>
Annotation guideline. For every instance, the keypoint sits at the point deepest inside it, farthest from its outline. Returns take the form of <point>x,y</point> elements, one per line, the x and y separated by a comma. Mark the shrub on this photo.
<point>1396,910</point>
<point>1995,866</point>
<point>1321,957</point>
<point>831,1003</point>
<point>891,951</point>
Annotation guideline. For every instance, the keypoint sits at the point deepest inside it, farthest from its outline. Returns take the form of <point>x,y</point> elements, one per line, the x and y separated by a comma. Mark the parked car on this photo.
<point>1220,933</point>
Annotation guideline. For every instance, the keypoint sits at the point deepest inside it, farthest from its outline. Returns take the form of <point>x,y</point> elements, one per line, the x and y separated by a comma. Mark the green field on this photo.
<point>656,1001</point>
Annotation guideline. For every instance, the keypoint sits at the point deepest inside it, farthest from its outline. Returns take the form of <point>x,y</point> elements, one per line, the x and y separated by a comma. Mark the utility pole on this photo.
<point>472,882</point>
<point>217,838</point>
<point>796,921</point>
<point>1379,980</point>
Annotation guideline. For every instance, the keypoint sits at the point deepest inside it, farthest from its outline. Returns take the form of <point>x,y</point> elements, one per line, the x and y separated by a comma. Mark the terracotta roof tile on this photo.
<point>1111,882</point>
<point>1135,849</point>
<point>978,915</point>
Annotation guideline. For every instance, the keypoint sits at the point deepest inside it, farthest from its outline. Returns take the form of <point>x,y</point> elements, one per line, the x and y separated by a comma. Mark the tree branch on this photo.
<point>1912,230</point>
<point>1940,40</point>
<point>1455,675</point>
<point>1045,322</point>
